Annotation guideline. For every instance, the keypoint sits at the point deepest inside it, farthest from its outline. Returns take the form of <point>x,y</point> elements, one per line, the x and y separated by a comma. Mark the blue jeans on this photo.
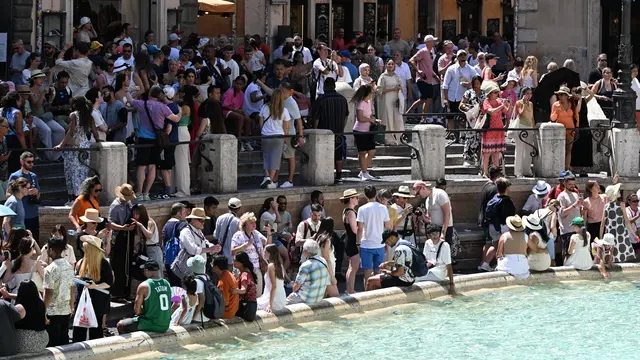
<point>551,247</point>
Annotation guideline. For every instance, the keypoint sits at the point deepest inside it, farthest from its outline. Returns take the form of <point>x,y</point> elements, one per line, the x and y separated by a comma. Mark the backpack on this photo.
<point>213,300</point>
<point>172,247</point>
<point>492,212</point>
<point>418,260</point>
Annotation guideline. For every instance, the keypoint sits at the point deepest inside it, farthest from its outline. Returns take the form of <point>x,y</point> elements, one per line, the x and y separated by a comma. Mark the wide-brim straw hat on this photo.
<point>563,90</point>
<point>37,74</point>
<point>349,193</point>
<point>403,191</point>
<point>125,192</point>
<point>612,192</point>
<point>92,240</point>
<point>91,216</point>
<point>515,223</point>
<point>198,213</point>
<point>532,222</point>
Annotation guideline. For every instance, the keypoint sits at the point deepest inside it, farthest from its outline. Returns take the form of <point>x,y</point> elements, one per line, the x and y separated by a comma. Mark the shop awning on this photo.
<point>216,6</point>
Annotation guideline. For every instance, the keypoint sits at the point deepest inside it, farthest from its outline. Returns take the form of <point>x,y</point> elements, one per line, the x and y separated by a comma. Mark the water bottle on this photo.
<point>71,232</point>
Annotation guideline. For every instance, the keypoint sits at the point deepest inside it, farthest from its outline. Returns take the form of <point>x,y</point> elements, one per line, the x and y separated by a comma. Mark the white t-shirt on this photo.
<point>404,73</point>
<point>373,215</point>
<point>235,71</point>
<point>268,218</point>
<point>567,200</point>
<point>346,76</point>
<point>174,54</point>
<point>199,290</point>
<point>430,251</point>
<point>256,61</point>
<point>273,125</point>
<point>99,120</point>
<point>321,64</point>
<point>434,205</point>
<point>249,107</point>
<point>403,256</point>
<point>131,62</point>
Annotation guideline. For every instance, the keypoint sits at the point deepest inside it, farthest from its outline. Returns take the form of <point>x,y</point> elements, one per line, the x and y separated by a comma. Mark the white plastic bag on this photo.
<point>85,316</point>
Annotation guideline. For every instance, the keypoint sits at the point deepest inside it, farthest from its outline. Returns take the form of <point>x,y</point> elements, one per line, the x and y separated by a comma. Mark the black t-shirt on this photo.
<point>506,209</point>
<point>489,190</point>
<point>62,97</point>
<point>9,315</point>
<point>205,74</point>
<point>34,317</point>
<point>595,75</point>
<point>158,70</point>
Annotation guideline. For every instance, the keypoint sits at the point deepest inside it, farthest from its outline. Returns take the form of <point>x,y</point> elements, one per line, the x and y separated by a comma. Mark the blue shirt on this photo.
<point>173,136</point>
<point>314,277</point>
<point>15,205</point>
<point>353,71</point>
<point>30,207</point>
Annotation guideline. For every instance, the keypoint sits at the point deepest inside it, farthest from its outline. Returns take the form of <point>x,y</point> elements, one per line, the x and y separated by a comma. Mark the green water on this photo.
<point>586,320</point>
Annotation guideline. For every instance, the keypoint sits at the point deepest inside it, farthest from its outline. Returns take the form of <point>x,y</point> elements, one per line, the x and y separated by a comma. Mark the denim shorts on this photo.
<point>371,258</point>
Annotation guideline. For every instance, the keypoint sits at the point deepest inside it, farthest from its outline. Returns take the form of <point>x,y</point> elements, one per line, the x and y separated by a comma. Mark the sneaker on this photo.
<point>247,146</point>
<point>242,149</point>
<point>139,197</point>
<point>338,181</point>
<point>485,267</point>
<point>68,203</point>
<point>362,176</point>
<point>286,184</point>
<point>265,182</point>
<point>369,176</point>
<point>272,185</point>
<point>146,197</point>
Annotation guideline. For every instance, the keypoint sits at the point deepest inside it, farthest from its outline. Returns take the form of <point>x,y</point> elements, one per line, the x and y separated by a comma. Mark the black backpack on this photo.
<point>492,212</point>
<point>418,261</point>
<point>213,300</point>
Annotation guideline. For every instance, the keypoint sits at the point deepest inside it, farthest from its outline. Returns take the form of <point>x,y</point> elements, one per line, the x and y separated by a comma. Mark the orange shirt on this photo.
<point>231,301</point>
<point>567,118</point>
<point>84,205</point>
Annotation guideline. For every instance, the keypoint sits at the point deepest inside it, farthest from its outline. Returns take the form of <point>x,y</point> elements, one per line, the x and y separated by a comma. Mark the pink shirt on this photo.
<point>365,106</point>
<point>424,62</point>
<point>233,101</point>
<point>509,94</point>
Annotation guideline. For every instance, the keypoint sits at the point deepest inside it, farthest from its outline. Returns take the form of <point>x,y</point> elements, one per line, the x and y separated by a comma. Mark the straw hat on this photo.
<point>198,213</point>
<point>37,74</point>
<point>563,90</point>
<point>92,240</point>
<point>515,223</point>
<point>541,188</point>
<point>612,192</point>
<point>349,193</point>
<point>489,86</point>
<point>91,216</point>
<point>125,192</point>
<point>607,240</point>
<point>23,89</point>
<point>532,222</point>
<point>403,191</point>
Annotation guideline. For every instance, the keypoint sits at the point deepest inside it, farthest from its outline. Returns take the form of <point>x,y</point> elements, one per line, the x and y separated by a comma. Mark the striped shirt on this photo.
<point>331,110</point>
<point>226,226</point>
<point>314,277</point>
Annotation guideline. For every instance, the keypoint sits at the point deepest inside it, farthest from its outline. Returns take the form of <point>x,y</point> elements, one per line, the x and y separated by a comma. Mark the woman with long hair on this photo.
<point>182,153</point>
<point>248,239</point>
<point>31,333</point>
<point>529,73</point>
<point>232,102</point>
<point>23,268</point>
<point>565,112</point>
<point>147,232</point>
<point>246,280</point>
<point>18,189</point>
<point>94,269</point>
<point>32,63</point>
<point>13,241</point>
<point>274,297</point>
<point>274,120</point>
<point>171,77</point>
<point>89,198</point>
<point>365,143</point>
<point>493,142</point>
<point>391,104</point>
<point>473,97</point>
<point>603,90</point>
<point>487,72</point>
<point>90,222</point>
<point>582,151</point>
<point>352,249</point>
<point>11,105</point>
<point>149,40</point>
<point>325,238</point>
<point>80,124</point>
<point>144,70</point>
<point>592,208</point>
<point>537,242</point>
<point>59,232</point>
<point>615,220</point>
<point>524,110</point>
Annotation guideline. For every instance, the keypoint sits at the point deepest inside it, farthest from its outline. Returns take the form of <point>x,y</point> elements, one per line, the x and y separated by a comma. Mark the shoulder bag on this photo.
<point>162,138</point>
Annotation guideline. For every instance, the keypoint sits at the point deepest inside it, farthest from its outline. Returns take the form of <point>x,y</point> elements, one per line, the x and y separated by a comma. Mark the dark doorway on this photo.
<point>507,22</point>
<point>423,17</point>
<point>104,14</point>
<point>342,12</point>
<point>611,27</point>
<point>385,17</point>
<point>470,16</point>
<point>299,17</point>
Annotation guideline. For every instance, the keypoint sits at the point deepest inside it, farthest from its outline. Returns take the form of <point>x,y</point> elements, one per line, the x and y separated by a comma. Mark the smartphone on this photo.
<point>6,255</point>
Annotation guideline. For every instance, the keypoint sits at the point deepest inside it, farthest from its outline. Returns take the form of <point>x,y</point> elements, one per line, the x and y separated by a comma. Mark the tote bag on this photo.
<point>85,315</point>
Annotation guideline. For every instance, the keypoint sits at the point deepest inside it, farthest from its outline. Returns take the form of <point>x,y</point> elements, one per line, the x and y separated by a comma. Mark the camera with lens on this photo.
<point>417,212</point>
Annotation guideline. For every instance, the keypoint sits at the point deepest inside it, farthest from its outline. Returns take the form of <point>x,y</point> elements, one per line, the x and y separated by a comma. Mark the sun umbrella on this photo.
<point>216,6</point>
<point>6,211</point>
<point>176,294</point>
<point>550,83</point>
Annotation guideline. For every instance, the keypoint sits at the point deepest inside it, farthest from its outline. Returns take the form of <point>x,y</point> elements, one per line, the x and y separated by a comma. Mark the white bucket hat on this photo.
<point>541,188</point>
<point>607,240</point>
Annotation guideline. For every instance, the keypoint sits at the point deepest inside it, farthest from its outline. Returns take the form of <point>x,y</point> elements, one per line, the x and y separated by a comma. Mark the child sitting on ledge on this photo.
<point>603,252</point>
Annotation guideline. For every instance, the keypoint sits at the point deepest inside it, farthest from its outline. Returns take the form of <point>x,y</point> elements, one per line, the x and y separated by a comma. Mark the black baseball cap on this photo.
<point>151,265</point>
<point>387,234</point>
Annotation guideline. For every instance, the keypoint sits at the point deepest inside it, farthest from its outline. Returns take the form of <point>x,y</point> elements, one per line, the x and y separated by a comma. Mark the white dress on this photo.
<point>581,257</point>
<point>191,308</point>
<point>539,261</point>
<point>279,301</point>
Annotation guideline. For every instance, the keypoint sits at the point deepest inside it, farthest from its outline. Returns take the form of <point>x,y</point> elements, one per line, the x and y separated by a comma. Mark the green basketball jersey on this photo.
<point>156,307</point>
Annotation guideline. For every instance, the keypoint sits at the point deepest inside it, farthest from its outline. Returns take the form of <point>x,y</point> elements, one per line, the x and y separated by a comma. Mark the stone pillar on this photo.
<point>219,164</point>
<point>430,142</point>
<point>551,158</point>
<point>110,164</point>
<point>320,147</point>
<point>347,91</point>
<point>625,160</point>
<point>599,145</point>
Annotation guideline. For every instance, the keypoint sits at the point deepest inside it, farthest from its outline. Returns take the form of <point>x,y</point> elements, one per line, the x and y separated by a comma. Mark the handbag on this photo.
<point>379,129</point>
<point>261,260</point>
<point>472,116</point>
<point>483,121</point>
<point>514,123</point>
<point>162,138</point>
<point>85,314</point>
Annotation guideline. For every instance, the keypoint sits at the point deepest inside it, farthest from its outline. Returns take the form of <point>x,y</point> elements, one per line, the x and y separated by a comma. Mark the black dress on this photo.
<point>582,153</point>
<point>351,247</point>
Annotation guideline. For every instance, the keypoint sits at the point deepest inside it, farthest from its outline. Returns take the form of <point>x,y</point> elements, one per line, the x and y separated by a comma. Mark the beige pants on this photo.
<point>181,171</point>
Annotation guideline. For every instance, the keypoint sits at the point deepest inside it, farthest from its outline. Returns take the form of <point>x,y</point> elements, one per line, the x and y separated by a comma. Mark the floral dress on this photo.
<point>76,171</point>
<point>472,138</point>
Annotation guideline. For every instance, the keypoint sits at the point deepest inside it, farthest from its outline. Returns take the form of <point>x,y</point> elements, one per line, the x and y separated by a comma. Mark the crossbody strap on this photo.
<point>146,109</point>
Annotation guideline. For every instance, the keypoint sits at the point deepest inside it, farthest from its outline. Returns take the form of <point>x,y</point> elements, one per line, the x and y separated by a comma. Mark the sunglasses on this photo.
<point>282,203</point>
<point>634,201</point>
